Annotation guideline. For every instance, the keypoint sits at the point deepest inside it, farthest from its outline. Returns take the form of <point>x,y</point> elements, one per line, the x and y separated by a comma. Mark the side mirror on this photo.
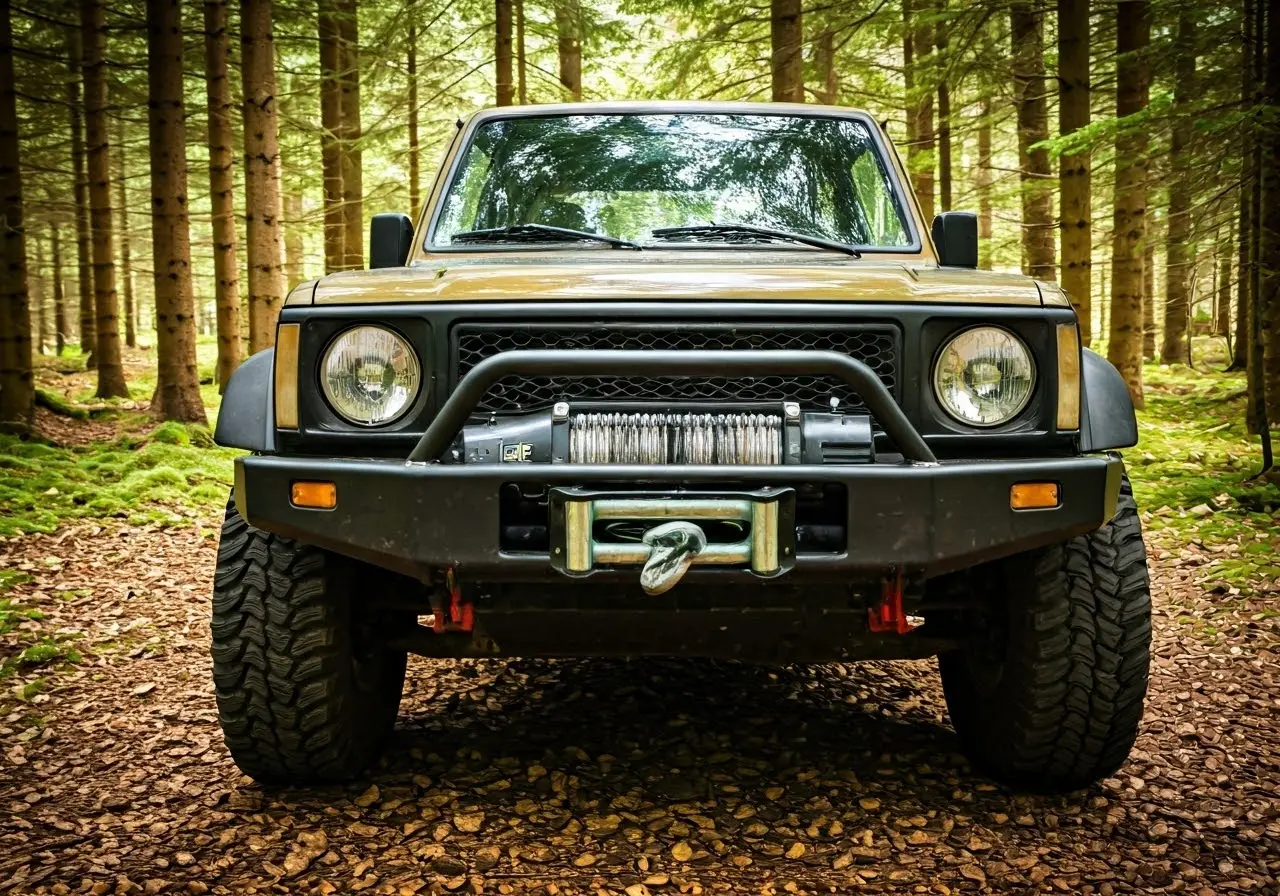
<point>955,234</point>
<point>390,240</point>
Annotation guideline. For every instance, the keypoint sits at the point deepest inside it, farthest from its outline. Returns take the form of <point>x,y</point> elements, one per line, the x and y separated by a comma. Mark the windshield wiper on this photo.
<point>733,232</point>
<point>539,233</point>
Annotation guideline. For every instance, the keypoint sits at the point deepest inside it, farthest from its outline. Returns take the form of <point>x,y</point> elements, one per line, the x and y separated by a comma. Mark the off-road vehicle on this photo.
<point>691,379</point>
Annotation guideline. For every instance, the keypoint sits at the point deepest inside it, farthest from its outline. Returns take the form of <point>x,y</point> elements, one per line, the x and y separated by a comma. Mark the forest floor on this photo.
<point>608,775</point>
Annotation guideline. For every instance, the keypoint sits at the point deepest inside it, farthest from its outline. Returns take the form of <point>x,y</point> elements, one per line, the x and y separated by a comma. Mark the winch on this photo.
<point>601,434</point>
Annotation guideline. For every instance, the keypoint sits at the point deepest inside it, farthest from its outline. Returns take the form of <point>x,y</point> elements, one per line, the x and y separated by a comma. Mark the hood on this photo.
<point>659,276</point>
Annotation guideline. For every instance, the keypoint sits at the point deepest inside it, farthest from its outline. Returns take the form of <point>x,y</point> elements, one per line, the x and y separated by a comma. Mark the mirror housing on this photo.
<point>390,240</point>
<point>955,236</point>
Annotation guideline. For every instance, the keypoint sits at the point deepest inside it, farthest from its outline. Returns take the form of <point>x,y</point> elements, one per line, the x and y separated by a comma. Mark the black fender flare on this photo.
<point>246,418</point>
<point>1107,417</point>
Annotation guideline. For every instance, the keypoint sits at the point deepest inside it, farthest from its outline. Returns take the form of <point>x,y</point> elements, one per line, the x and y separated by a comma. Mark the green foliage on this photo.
<point>166,477</point>
<point>1191,474</point>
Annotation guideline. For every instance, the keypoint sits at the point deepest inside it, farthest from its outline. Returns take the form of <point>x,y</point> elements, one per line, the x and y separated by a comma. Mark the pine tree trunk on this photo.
<point>786,59</point>
<point>265,242</point>
<point>93,32</point>
<point>1181,249</point>
<point>984,176</point>
<point>330,132</point>
<point>75,109</point>
<point>294,264</point>
<point>502,82</point>
<point>177,395</point>
<point>1268,302</point>
<point>944,114</point>
<point>222,187</point>
<point>59,296</point>
<point>415,162</point>
<point>917,57</point>
<point>1149,294</point>
<point>1244,241</point>
<point>1073,168</point>
<point>17,385</point>
<point>126,240</point>
<point>1222,304</point>
<point>1027,35</point>
<point>825,57</point>
<point>351,134</point>
<point>36,294</point>
<point>569,40</point>
<point>1133,34</point>
<point>522,59</point>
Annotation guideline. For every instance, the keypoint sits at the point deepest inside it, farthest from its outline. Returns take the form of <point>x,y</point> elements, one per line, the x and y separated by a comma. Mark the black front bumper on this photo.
<point>934,518</point>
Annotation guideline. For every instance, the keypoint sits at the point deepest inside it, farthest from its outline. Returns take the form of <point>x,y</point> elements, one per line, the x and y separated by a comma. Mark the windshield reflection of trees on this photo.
<point>628,174</point>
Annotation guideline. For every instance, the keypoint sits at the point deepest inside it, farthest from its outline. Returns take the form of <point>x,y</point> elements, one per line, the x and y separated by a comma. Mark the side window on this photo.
<point>877,201</point>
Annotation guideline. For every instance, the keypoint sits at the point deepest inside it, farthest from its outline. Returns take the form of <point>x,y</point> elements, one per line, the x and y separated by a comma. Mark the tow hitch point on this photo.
<point>889,617</point>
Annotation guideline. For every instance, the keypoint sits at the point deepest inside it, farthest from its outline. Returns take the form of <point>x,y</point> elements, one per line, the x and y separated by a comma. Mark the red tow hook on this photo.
<point>459,615</point>
<point>889,617</point>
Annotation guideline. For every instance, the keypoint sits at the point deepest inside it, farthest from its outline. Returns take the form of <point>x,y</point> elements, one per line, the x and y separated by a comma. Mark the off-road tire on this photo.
<point>1053,701</point>
<point>303,696</point>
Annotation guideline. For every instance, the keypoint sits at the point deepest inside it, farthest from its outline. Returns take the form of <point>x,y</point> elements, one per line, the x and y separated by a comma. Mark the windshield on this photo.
<point>625,176</point>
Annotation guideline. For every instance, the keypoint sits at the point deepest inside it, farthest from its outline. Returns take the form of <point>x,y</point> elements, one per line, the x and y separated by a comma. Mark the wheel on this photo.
<point>305,692</point>
<point>1048,692</point>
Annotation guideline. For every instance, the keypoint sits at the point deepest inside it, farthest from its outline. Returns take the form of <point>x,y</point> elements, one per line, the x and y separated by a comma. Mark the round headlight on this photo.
<point>984,376</point>
<point>370,376</point>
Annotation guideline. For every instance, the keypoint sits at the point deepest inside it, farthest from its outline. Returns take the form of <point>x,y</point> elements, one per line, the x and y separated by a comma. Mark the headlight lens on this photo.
<point>370,376</point>
<point>984,376</point>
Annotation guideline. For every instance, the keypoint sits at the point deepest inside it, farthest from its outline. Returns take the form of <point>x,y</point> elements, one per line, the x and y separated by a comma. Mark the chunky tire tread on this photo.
<point>290,705</point>
<point>1066,709</point>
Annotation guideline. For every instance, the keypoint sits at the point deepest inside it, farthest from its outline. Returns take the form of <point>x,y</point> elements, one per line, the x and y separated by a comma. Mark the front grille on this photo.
<point>876,345</point>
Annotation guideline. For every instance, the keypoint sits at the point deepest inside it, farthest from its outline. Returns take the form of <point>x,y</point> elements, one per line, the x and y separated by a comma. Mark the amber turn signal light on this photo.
<point>315,495</point>
<point>1035,495</point>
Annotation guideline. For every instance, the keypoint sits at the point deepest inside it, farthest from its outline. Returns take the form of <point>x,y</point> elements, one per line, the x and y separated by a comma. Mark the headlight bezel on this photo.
<point>411,351</point>
<point>953,417</point>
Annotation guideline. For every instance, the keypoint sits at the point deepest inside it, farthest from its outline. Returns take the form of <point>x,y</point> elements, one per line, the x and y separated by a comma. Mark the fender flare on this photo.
<point>1107,417</point>
<point>246,418</point>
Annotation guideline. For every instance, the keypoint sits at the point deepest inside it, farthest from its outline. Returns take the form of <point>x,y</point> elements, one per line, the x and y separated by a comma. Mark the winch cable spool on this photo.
<point>621,438</point>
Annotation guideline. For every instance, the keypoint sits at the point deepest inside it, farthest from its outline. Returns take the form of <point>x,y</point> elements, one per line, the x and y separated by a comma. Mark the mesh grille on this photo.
<point>874,345</point>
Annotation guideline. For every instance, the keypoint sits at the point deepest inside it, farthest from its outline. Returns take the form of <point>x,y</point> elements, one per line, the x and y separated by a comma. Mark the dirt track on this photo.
<point>602,775</point>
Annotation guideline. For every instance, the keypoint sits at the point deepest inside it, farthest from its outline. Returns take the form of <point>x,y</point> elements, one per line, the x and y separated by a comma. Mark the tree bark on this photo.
<point>222,186</point>
<point>126,239</point>
<point>1149,293</point>
<point>17,385</point>
<point>786,59</point>
<point>944,114</point>
<point>1133,34</point>
<point>80,192</point>
<point>984,176</point>
<point>569,40</point>
<point>1181,250</point>
<point>415,161</point>
<point>917,57</point>
<point>351,134</point>
<point>1244,241</point>
<point>522,59</point>
<point>262,174</point>
<point>59,296</point>
<point>177,395</point>
<point>1268,303</point>
<point>824,52</point>
<point>502,82</point>
<point>1027,34</point>
<point>330,131</point>
<point>36,295</point>
<point>1222,304</point>
<point>1073,168</point>
<point>93,34</point>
